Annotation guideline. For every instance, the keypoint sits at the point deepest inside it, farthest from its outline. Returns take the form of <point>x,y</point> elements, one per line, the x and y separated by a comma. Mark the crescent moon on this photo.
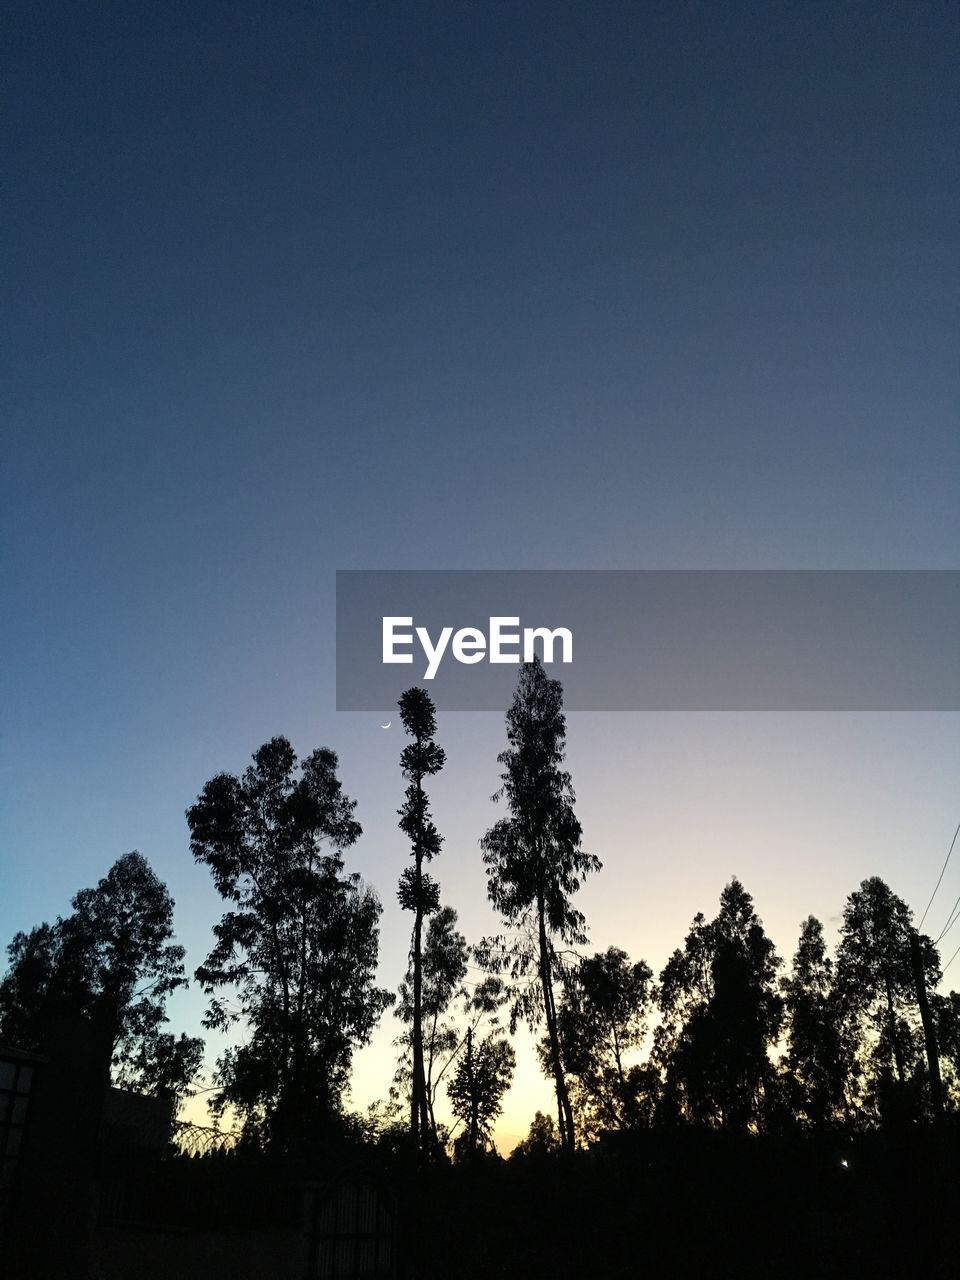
<point>387,725</point>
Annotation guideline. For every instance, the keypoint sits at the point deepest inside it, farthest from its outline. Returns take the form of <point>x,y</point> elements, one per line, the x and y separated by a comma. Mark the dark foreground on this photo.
<point>658,1205</point>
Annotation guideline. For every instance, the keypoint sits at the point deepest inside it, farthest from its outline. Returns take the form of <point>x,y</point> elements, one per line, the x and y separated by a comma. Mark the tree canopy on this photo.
<point>417,892</point>
<point>721,1018</point>
<point>603,1020</point>
<point>114,961</point>
<point>535,862</point>
<point>875,984</point>
<point>850,1039</point>
<point>819,1059</point>
<point>298,945</point>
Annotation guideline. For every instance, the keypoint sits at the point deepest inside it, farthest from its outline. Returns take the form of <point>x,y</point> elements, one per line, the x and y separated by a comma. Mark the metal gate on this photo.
<point>352,1234</point>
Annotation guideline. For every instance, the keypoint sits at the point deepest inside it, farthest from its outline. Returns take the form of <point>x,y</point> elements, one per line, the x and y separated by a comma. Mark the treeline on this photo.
<point>725,1038</point>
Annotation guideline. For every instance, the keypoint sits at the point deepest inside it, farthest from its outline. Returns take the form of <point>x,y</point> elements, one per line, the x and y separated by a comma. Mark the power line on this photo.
<point>952,919</point>
<point>951,960</point>
<point>940,877</point>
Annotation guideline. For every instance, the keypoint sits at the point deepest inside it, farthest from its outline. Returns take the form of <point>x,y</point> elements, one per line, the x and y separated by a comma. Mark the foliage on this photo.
<point>299,944</point>
<point>417,892</point>
<point>482,1076</point>
<point>35,986</point>
<point>535,863</point>
<point>820,1050</point>
<point>112,961</point>
<point>542,1139</point>
<point>445,954</point>
<point>946,1012</point>
<point>875,984</point>
<point>603,1021</point>
<point>721,1017</point>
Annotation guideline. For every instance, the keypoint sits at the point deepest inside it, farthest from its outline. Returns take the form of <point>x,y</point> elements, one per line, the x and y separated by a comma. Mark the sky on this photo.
<point>298,287</point>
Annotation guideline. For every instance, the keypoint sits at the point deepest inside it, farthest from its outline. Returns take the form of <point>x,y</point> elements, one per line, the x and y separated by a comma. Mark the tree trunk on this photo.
<point>419,1119</point>
<point>429,1088</point>
<point>891,1014</point>
<point>472,1127</point>
<point>564,1110</point>
<point>929,1030</point>
<point>626,1116</point>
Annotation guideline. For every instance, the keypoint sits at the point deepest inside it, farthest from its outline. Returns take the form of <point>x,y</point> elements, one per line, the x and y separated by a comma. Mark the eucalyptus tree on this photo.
<point>603,1020</point>
<point>541,1140</point>
<point>819,1059</point>
<point>114,962</point>
<point>535,864</point>
<point>445,958</point>
<point>876,985</point>
<point>721,1017</point>
<point>418,892</point>
<point>946,1011</point>
<point>483,1074</point>
<point>297,947</point>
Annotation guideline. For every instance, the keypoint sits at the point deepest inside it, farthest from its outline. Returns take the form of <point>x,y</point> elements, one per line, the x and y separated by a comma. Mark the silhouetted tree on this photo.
<point>482,1076</point>
<point>946,1012</point>
<point>819,1058</point>
<point>721,1016</point>
<point>299,943</point>
<point>35,988</point>
<point>113,961</point>
<point>418,893</point>
<point>163,1065</point>
<point>875,984</point>
<point>541,1140</point>
<point>534,860</point>
<point>602,1021</point>
<point>445,955</point>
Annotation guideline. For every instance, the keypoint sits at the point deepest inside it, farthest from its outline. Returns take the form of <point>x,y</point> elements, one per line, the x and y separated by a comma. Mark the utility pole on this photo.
<point>929,1031</point>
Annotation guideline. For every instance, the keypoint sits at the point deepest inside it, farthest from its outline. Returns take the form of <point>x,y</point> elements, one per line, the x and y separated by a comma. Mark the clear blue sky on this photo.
<point>296,287</point>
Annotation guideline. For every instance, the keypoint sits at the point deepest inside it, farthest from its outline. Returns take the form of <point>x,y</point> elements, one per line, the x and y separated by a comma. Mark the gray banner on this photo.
<point>654,640</point>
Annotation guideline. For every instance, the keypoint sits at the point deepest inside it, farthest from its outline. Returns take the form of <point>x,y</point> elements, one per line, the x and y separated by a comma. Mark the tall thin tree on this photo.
<point>819,1058</point>
<point>418,892</point>
<point>721,1017</point>
<point>534,860</point>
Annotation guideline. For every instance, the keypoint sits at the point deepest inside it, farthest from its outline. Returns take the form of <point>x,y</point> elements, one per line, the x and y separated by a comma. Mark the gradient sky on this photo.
<point>296,287</point>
